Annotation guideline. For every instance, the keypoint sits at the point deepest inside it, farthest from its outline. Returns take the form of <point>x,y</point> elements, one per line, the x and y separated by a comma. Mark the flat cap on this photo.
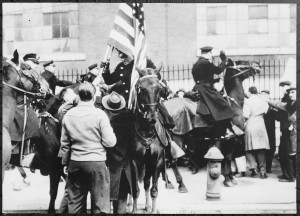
<point>206,49</point>
<point>32,57</point>
<point>283,83</point>
<point>291,88</point>
<point>92,66</point>
<point>48,63</point>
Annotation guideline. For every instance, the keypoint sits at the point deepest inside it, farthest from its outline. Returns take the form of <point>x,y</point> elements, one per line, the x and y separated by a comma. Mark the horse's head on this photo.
<point>241,69</point>
<point>148,90</point>
<point>19,74</point>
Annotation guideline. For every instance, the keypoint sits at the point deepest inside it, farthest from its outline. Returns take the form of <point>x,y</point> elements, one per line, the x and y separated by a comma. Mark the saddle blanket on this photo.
<point>32,126</point>
<point>183,111</point>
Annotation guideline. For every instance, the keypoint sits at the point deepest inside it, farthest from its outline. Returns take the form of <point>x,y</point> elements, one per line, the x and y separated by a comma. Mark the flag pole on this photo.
<point>106,58</point>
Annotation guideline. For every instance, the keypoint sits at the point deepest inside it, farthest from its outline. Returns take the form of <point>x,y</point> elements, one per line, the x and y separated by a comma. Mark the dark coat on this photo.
<point>54,81</point>
<point>211,101</point>
<point>270,118</point>
<point>118,158</point>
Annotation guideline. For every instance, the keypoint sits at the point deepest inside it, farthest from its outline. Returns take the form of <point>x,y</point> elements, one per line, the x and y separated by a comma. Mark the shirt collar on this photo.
<point>86,103</point>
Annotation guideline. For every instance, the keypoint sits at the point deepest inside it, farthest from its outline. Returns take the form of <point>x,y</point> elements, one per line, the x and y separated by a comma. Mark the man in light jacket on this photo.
<point>86,132</point>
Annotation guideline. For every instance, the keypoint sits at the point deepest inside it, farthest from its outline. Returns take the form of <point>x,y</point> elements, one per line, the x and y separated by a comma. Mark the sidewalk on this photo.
<point>250,196</point>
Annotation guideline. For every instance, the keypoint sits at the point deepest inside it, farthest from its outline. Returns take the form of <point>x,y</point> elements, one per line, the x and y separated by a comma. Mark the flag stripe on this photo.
<point>127,27</point>
<point>123,32</point>
<point>127,19</point>
<point>121,39</point>
<point>127,9</point>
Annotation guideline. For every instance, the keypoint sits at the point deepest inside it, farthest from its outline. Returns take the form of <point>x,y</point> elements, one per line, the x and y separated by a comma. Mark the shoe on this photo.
<point>263,175</point>
<point>286,180</point>
<point>282,177</point>
<point>269,171</point>
<point>228,183</point>
<point>234,181</point>
<point>253,173</point>
<point>16,188</point>
<point>26,181</point>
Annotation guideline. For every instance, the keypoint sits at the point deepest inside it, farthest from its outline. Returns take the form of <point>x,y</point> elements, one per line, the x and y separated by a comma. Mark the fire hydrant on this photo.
<point>214,157</point>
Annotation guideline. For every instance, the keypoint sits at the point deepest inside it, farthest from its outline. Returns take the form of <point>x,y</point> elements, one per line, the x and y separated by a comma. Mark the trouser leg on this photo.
<point>251,159</point>
<point>77,187</point>
<point>261,156</point>
<point>290,168</point>
<point>100,187</point>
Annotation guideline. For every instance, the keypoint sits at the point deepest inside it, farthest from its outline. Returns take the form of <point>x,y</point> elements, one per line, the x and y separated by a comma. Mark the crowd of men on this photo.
<point>84,126</point>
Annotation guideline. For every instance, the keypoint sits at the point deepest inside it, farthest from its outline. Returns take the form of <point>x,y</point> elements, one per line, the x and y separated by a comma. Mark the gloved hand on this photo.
<point>105,65</point>
<point>192,95</point>
<point>223,56</point>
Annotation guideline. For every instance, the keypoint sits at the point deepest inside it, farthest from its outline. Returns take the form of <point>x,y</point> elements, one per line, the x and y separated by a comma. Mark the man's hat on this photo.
<point>291,88</point>
<point>206,49</point>
<point>48,63</point>
<point>114,101</point>
<point>283,83</point>
<point>32,57</point>
<point>265,91</point>
<point>93,66</point>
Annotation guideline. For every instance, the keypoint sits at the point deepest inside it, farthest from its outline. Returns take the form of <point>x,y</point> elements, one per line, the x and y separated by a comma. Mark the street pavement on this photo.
<point>250,196</point>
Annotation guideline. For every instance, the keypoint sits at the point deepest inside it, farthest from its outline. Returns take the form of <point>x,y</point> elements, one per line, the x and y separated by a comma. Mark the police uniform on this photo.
<point>211,102</point>
<point>52,79</point>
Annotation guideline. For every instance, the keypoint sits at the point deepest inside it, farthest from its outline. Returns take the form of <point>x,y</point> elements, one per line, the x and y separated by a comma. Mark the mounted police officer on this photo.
<point>211,103</point>
<point>121,78</point>
<point>50,77</point>
<point>32,59</point>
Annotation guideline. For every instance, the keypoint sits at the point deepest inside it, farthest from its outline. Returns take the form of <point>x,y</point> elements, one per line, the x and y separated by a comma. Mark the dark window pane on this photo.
<point>56,31</point>
<point>293,10</point>
<point>18,21</point>
<point>18,34</point>
<point>258,12</point>
<point>47,19</point>
<point>216,13</point>
<point>56,19</point>
<point>65,18</point>
<point>65,31</point>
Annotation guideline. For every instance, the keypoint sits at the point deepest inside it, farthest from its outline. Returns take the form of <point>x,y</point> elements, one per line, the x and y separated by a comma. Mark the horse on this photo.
<point>191,128</point>
<point>148,150</point>
<point>235,74</point>
<point>18,79</point>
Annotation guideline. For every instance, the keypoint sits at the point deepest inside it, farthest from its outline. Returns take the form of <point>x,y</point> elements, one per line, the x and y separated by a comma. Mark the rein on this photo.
<point>237,68</point>
<point>21,90</point>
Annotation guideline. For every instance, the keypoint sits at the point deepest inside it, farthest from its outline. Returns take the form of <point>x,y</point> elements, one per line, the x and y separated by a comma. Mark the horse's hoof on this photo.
<point>228,183</point>
<point>154,212</point>
<point>134,211</point>
<point>148,209</point>
<point>17,188</point>
<point>26,181</point>
<point>234,181</point>
<point>170,186</point>
<point>182,189</point>
<point>51,211</point>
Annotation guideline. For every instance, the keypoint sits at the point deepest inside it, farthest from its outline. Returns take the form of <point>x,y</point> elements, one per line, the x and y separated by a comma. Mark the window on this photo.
<point>18,20</point>
<point>216,20</point>
<point>258,19</point>
<point>59,23</point>
<point>293,18</point>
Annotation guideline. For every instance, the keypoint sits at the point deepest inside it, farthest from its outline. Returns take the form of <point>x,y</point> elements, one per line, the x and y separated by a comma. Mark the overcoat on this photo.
<point>210,101</point>
<point>118,157</point>
<point>256,136</point>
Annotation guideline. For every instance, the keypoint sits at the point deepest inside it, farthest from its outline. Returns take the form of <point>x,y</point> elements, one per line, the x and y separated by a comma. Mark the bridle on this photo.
<point>138,88</point>
<point>21,72</point>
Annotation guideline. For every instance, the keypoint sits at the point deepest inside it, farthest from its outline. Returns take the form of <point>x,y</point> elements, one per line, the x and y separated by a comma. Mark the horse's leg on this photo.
<point>226,164</point>
<point>154,191</point>
<point>6,150</point>
<point>181,187</point>
<point>54,182</point>
<point>135,185</point>
<point>147,188</point>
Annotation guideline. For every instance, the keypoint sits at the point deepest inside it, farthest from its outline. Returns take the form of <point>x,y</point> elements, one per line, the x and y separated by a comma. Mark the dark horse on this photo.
<point>235,74</point>
<point>18,78</point>
<point>147,149</point>
<point>190,127</point>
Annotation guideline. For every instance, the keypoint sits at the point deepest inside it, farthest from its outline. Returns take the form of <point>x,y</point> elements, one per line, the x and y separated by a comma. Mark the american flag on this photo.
<point>128,36</point>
